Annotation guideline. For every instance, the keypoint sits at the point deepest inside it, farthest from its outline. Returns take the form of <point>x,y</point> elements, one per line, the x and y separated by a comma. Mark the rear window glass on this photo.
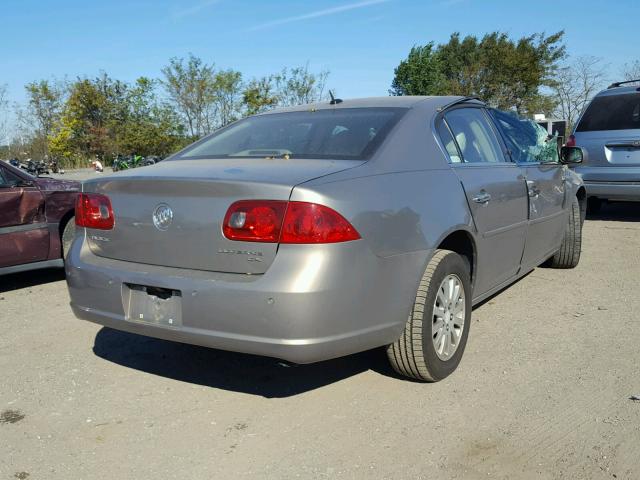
<point>474,136</point>
<point>612,112</point>
<point>8,178</point>
<point>345,133</point>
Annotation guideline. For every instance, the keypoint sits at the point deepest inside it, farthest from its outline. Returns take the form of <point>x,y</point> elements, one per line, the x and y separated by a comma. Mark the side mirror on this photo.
<point>571,155</point>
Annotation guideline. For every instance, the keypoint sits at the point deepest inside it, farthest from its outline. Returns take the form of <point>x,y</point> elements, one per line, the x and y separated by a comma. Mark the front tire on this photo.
<point>437,329</point>
<point>569,254</point>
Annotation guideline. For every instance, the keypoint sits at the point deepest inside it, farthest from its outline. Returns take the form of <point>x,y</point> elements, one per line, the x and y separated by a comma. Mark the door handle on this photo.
<point>483,197</point>
<point>533,189</point>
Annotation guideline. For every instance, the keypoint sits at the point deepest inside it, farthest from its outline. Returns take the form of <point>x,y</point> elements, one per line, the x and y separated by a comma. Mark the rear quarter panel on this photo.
<point>60,201</point>
<point>400,216</point>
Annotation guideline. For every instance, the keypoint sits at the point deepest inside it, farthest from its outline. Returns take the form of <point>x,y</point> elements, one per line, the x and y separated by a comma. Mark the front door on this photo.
<point>537,154</point>
<point>496,194</point>
<point>547,214</point>
<point>24,236</point>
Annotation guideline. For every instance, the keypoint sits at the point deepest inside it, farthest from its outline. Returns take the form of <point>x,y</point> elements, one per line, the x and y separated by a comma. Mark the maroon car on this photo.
<point>36,220</point>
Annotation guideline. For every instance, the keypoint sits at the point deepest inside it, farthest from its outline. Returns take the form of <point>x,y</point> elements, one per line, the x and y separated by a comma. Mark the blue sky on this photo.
<point>358,41</point>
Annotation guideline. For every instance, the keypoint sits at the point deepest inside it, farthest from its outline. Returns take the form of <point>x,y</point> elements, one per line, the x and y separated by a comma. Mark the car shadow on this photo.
<point>237,372</point>
<point>16,281</point>
<point>617,211</point>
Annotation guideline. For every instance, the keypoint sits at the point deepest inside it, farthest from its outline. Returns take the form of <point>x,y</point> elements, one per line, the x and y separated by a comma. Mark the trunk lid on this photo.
<point>198,192</point>
<point>611,147</point>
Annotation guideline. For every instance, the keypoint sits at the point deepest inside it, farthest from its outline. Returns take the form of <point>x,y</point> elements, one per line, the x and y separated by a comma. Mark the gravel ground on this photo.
<point>543,391</point>
<point>80,174</point>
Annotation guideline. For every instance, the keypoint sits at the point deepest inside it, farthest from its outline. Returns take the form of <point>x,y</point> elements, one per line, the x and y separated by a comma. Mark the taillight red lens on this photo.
<point>571,141</point>
<point>94,211</point>
<point>254,220</point>
<point>275,221</point>
<point>313,223</point>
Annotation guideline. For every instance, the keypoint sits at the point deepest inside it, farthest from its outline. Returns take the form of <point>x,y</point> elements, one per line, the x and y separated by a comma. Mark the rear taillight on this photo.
<point>94,211</point>
<point>571,141</point>
<point>286,222</point>
<point>313,223</point>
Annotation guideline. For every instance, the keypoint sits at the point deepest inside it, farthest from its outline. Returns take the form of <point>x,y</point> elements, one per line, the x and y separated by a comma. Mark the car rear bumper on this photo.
<point>629,191</point>
<point>314,303</point>
<point>615,183</point>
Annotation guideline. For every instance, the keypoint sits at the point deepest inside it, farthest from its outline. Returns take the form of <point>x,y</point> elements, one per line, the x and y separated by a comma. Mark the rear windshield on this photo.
<point>345,133</point>
<point>612,112</point>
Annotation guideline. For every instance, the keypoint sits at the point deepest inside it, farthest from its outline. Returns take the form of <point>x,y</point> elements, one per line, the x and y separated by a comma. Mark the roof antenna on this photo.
<point>334,100</point>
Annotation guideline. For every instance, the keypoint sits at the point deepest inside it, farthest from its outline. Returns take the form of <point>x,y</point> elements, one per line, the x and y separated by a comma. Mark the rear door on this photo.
<point>537,154</point>
<point>495,190</point>
<point>24,236</point>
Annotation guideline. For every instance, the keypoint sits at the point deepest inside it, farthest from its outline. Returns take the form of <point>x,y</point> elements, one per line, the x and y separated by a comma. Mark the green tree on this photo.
<point>227,98</point>
<point>151,127</point>
<point>190,84</point>
<point>259,95</point>
<point>419,73</point>
<point>508,74</point>
<point>86,125</point>
<point>104,117</point>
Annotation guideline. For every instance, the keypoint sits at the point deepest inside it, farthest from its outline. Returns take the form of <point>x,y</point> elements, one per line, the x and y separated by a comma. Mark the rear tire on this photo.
<point>68,234</point>
<point>414,354</point>
<point>569,254</point>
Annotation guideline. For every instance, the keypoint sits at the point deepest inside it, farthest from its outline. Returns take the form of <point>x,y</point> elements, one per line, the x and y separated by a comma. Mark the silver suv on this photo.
<point>609,133</point>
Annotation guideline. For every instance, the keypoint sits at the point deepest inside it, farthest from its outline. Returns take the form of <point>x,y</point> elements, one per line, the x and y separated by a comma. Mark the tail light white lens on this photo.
<point>275,221</point>
<point>94,211</point>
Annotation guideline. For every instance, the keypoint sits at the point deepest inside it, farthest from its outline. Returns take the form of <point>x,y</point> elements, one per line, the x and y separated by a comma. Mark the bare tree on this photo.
<point>576,84</point>
<point>298,86</point>
<point>44,108</point>
<point>3,114</point>
<point>631,71</point>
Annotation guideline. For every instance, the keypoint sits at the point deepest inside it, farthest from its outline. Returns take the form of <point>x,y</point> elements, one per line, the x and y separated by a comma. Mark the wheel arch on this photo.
<point>462,242</point>
<point>581,195</point>
<point>66,218</point>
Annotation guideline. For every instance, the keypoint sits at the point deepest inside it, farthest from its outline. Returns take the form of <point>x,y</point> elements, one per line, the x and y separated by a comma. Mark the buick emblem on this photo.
<point>162,216</point>
<point>636,143</point>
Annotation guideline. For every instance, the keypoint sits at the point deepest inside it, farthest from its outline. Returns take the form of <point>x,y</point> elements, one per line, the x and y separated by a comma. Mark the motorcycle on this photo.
<point>133,161</point>
<point>53,165</point>
<point>36,168</point>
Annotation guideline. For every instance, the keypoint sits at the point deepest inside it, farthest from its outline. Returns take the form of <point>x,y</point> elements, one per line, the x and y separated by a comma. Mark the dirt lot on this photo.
<point>542,392</point>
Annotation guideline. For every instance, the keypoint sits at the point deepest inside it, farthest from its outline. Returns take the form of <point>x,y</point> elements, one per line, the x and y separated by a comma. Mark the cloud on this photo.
<point>318,13</point>
<point>194,9</point>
